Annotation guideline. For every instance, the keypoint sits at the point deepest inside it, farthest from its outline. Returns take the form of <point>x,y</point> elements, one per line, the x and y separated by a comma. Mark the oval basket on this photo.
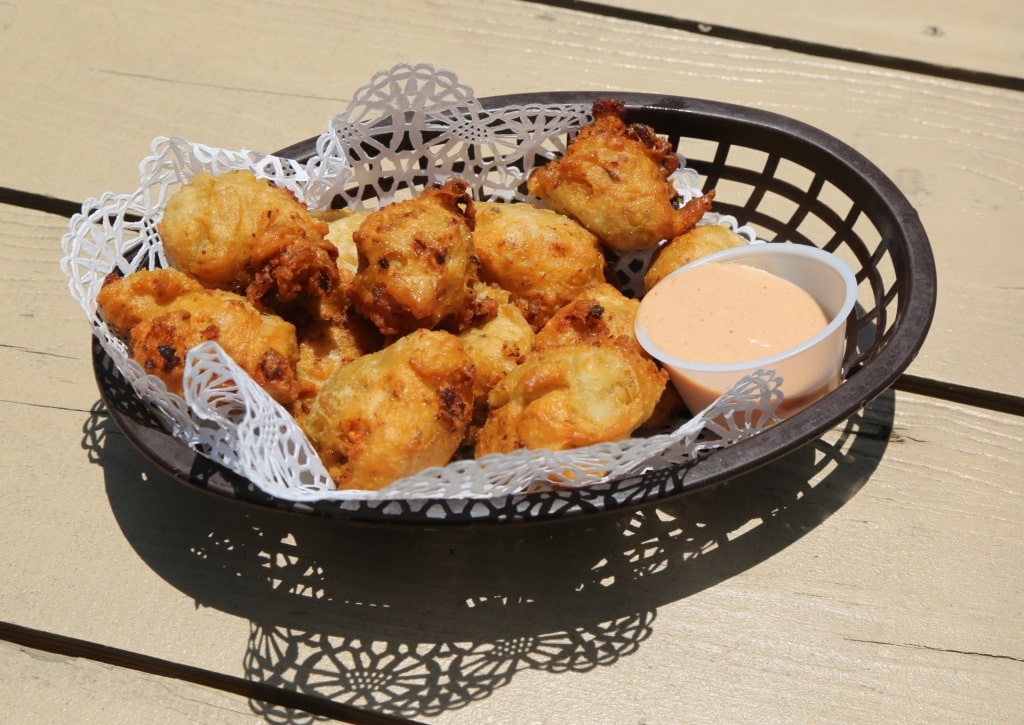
<point>788,181</point>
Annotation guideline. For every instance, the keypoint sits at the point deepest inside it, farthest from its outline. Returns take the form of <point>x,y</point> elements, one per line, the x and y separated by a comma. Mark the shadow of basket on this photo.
<point>413,621</point>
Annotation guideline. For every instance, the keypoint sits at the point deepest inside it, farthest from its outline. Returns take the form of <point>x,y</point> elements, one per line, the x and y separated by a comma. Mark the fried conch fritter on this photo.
<point>567,397</point>
<point>336,337</point>
<point>586,381</point>
<point>613,179</point>
<point>542,258</point>
<point>496,345</point>
<point>600,315</point>
<point>341,229</point>
<point>689,246</point>
<point>163,314</point>
<point>332,333</point>
<point>417,265</point>
<point>394,412</point>
<point>236,232</point>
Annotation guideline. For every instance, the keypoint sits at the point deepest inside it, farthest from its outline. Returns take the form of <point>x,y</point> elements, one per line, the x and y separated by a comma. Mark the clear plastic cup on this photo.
<point>808,370</point>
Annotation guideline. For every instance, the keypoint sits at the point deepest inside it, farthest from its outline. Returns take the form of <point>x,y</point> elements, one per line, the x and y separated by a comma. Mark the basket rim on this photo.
<point>909,328</point>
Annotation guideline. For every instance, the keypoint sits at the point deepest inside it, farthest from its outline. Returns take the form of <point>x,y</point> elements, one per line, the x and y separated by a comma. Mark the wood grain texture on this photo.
<point>869,576</point>
<point>93,692</point>
<point>943,33</point>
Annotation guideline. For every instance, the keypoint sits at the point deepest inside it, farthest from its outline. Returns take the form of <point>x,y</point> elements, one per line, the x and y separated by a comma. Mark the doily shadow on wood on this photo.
<point>414,622</point>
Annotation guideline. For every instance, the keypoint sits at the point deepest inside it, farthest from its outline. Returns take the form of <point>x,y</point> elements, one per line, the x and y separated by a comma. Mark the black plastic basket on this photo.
<point>789,181</point>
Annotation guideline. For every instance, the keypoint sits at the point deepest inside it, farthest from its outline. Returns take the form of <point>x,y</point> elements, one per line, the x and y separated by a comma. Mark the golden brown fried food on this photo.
<point>163,318</point>
<point>542,258</point>
<point>496,345</point>
<point>341,228</point>
<point>236,232</point>
<point>328,342</point>
<point>613,179</point>
<point>688,246</point>
<point>394,412</point>
<point>126,301</point>
<point>600,315</point>
<point>417,265</point>
<point>332,333</point>
<point>567,397</point>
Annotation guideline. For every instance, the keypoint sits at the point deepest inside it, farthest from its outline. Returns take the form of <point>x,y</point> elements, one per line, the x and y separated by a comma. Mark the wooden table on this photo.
<point>872,575</point>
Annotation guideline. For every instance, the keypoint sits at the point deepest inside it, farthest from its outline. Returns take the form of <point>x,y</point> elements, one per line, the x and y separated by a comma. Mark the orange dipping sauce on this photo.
<point>711,323</point>
<point>718,314</point>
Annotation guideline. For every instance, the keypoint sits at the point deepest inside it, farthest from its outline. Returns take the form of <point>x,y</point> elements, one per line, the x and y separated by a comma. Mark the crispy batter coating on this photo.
<point>561,396</point>
<point>126,301</point>
<point>394,412</point>
<point>164,317</point>
<point>568,397</point>
<point>417,265</point>
<point>688,246</point>
<point>544,259</point>
<point>336,337</point>
<point>236,232</point>
<point>341,228</point>
<point>496,345</point>
<point>613,179</point>
<point>332,333</point>
<point>600,315</point>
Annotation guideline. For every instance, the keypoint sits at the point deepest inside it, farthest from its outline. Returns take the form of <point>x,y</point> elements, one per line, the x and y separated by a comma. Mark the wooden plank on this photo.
<point>986,39</point>
<point>38,688</point>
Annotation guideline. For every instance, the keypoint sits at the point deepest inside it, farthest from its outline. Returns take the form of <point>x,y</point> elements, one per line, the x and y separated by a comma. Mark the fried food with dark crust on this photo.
<point>336,337</point>
<point>600,315</point>
<point>496,345</point>
<point>417,265</point>
<point>332,333</point>
<point>236,232</point>
<point>613,179</point>
<point>341,228</point>
<point>688,246</point>
<point>567,397</point>
<point>544,259</point>
<point>394,412</point>
<point>125,301</point>
<point>161,325</point>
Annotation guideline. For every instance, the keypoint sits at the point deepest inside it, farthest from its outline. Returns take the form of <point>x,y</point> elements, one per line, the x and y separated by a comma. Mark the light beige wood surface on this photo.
<point>984,37</point>
<point>873,575</point>
<point>96,692</point>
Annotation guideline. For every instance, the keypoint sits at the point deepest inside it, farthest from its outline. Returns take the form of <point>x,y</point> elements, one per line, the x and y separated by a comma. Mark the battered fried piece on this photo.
<point>394,412</point>
<point>335,338</point>
<point>126,301</point>
<point>694,244</point>
<point>333,334</point>
<point>543,258</point>
<point>417,265</point>
<point>600,315</point>
<point>496,346</point>
<point>613,179</point>
<point>341,228</point>
<point>568,397</point>
<point>163,325</point>
<point>235,232</point>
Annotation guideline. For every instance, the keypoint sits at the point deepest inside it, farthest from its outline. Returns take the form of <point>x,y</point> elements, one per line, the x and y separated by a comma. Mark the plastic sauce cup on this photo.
<point>809,370</point>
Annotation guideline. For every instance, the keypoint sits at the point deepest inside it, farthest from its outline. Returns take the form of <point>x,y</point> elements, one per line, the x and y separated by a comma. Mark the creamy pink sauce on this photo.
<point>729,313</point>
